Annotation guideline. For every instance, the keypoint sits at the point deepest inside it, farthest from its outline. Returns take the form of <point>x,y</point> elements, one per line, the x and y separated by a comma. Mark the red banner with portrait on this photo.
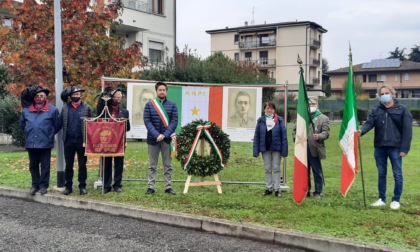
<point>105,139</point>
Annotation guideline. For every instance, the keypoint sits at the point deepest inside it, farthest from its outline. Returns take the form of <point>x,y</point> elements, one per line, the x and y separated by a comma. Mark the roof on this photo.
<point>267,26</point>
<point>383,65</point>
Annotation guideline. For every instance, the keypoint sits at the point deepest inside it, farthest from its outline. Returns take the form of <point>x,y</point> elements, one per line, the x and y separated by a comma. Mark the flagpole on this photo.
<point>361,171</point>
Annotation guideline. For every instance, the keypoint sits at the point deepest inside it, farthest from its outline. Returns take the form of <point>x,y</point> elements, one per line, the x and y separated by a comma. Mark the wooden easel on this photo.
<point>216,181</point>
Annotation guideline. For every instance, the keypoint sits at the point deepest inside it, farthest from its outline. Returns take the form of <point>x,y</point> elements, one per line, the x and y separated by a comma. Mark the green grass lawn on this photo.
<point>331,216</point>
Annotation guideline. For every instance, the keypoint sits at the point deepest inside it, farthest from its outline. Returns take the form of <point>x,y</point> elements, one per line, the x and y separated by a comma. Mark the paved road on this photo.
<point>32,226</point>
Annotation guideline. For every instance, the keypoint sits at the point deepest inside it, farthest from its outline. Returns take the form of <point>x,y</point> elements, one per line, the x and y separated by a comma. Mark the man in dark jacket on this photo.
<point>161,119</point>
<point>118,112</point>
<point>393,132</point>
<point>40,122</point>
<point>73,113</point>
<point>319,131</point>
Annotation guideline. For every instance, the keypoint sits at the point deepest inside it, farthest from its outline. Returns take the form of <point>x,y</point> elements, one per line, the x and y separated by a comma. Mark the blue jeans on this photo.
<point>381,156</point>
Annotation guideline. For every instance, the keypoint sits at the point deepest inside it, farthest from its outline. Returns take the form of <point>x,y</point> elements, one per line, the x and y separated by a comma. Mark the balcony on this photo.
<point>261,63</point>
<point>256,43</point>
<point>139,6</point>
<point>315,44</point>
<point>314,63</point>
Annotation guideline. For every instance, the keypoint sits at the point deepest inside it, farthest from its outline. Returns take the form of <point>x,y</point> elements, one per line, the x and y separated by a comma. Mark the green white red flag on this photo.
<point>348,139</point>
<point>303,121</point>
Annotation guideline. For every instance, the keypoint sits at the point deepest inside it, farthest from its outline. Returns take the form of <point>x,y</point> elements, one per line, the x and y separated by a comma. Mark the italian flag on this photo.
<point>303,121</point>
<point>348,135</point>
<point>197,103</point>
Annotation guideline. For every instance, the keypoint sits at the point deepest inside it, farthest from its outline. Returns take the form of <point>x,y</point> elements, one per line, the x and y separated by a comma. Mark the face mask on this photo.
<point>270,116</point>
<point>39,100</point>
<point>385,98</point>
<point>312,109</point>
<point>75,99</point>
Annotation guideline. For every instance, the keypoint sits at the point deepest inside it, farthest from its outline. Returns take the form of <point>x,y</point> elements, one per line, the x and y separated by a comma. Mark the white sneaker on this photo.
<point>395,205</point>
<point>378,203</point>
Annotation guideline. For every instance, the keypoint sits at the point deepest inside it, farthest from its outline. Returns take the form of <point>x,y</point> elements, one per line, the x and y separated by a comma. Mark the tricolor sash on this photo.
<point>161,111</point>
<point>165,119</point>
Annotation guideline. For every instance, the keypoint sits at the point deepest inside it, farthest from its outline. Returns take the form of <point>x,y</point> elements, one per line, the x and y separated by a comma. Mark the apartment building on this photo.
<point>403,75</point>
<point>151,22</point>
<point>273,48</point>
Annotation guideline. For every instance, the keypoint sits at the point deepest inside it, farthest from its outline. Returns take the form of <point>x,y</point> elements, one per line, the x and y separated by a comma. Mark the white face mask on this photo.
<point>312,109</point>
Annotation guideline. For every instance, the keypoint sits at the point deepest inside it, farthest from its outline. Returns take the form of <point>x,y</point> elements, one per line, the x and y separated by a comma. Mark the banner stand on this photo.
<point>103,136</point>
<point>202,182</point>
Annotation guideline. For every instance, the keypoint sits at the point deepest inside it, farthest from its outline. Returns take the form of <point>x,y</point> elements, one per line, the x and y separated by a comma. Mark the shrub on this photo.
<point>415,112</point>
<point>9,116</point>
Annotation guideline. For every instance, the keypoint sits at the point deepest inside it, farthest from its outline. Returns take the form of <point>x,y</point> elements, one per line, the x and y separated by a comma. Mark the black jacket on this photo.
<point>393,126</point>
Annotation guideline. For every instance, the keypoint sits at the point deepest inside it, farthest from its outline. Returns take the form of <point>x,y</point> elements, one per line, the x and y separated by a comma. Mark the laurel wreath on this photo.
<point>203,166</point>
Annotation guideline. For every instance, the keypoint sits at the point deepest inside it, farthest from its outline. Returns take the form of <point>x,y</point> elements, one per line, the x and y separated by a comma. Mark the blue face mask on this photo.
<point>385,98</point>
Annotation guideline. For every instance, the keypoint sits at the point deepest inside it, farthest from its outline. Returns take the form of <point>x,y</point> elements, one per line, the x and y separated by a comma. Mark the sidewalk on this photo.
<point>205,224</point>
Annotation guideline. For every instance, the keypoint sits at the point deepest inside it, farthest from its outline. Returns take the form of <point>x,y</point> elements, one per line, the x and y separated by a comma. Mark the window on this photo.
<point>236,57</point>
<point>406,77</point>
<point>156,6</point>
<point>263,57</point>
<point>372,93</point>
<point>364,78</point>
<point>396,77</point>
<point>416,94</point>
<point>155,52</point>
<point>405,93</point>
<point>264,39</point>
<point>372,78</point>
<point>248,56</point>
<point>236,39</point>
<point>383,77</point>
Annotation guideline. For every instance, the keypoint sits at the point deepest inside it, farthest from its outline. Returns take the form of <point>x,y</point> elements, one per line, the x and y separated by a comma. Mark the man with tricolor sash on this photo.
<point>161,119</point>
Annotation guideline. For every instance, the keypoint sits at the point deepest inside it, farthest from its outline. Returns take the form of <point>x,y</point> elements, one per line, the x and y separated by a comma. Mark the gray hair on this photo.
<point>391,89</point>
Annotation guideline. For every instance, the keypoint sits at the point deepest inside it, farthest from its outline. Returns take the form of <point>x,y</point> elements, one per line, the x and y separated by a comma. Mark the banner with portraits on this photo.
<point>234,108</point>
<point>105,138</point>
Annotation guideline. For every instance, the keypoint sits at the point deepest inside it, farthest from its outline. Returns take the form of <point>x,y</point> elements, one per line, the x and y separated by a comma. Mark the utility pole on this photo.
<point>58,89</point>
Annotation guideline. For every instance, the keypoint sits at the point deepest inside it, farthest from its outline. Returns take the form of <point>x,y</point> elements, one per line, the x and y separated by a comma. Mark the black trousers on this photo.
<point>73,146</point>
<point>118,171</point>
<point>40,178</point>
<point>315,164</point>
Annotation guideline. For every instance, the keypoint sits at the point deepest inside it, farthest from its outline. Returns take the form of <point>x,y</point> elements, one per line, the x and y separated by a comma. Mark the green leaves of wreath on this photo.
<point>198,165</point>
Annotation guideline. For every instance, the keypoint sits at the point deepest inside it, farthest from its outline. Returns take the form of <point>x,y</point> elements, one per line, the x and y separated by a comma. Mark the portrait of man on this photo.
<point>243,113</point>
<point>142,95</point>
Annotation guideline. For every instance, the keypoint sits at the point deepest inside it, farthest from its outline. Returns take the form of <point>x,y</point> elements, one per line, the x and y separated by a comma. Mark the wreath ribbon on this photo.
<point>200,130</point>
<point>174,145</point>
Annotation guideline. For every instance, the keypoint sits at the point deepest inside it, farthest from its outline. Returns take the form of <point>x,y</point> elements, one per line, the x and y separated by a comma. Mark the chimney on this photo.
<point>246,23</point>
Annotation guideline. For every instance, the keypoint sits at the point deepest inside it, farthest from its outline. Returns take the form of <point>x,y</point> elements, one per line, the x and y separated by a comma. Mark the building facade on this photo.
<point>274,48</point>
<point>151,22</point>
<point>403,75</point>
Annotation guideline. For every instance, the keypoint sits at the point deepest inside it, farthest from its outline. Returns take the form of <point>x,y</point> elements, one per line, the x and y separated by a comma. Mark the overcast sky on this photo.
<point>373,27</point>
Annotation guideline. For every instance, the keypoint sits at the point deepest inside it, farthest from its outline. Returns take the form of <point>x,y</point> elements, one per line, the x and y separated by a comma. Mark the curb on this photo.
<point>204,224</point>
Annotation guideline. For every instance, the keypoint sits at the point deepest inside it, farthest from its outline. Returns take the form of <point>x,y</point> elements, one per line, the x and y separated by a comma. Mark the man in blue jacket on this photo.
<point>161,119</point>
<point>40,121</point>
<point>72,114</point>
<point>393,132</point>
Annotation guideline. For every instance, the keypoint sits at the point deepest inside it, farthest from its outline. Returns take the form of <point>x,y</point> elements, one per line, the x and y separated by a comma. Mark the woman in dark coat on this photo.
<point>270,139</point>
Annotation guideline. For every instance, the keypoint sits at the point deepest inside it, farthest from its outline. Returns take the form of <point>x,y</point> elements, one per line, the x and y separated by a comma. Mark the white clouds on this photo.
<point>374,27</point>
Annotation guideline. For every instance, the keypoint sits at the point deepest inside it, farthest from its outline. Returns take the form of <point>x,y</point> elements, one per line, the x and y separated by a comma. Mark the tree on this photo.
<point>358,89</point>
<point>88,53</point>
<point>325,65</point>
<point>4,80</point>
<point>217,68</point>
<point>415,54</point>
<point>397,54</point>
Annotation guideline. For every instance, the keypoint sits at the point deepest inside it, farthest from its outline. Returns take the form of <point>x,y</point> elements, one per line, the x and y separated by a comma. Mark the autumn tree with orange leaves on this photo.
<point>88,52</point>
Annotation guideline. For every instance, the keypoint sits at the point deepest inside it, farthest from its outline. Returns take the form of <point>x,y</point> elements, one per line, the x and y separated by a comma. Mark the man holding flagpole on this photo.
<point>161,119</point>
<point>393,125</point>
